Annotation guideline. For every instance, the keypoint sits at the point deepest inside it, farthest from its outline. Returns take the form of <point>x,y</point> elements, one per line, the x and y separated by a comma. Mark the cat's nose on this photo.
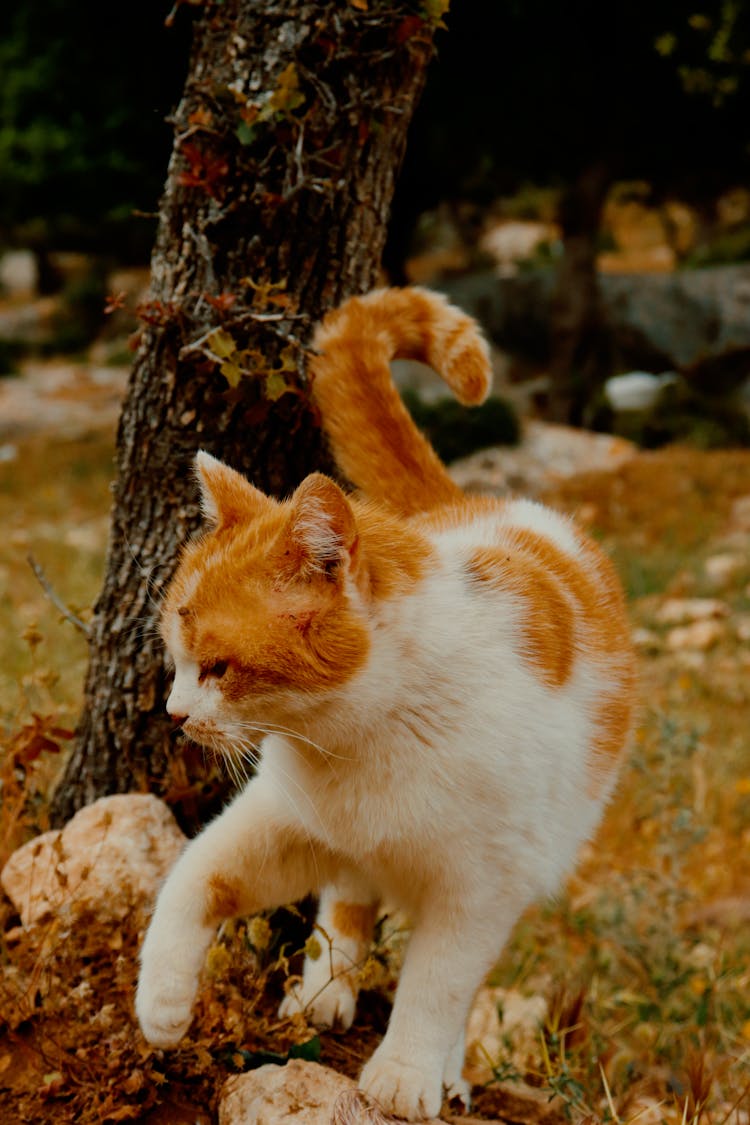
<point>178,720</point>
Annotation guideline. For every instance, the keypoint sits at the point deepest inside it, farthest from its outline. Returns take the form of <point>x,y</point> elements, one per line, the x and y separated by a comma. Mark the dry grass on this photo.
<point>643,957</point>
<point>54,500</point>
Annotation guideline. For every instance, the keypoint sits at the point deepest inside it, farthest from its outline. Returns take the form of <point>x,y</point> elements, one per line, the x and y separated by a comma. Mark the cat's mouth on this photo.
<point>205,735</point>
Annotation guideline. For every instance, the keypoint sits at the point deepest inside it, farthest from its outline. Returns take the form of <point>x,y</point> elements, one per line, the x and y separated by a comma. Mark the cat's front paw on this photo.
<point>402,1089</point>
<point>330,1005</point>
<point>164,1006</point>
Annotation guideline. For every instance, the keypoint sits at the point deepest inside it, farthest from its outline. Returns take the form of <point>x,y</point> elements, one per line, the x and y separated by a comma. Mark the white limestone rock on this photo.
<point>109,859</point>
<point>697,636</point>
<point>498,1015</point>
<point>681,611</point>
<point>300,1093</point>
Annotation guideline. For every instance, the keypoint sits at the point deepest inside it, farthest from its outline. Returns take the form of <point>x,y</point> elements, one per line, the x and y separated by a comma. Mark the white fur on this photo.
<point>455,786</point>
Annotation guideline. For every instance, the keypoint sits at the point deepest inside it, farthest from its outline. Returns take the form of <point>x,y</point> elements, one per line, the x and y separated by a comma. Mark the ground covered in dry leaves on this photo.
<point>643,958</point>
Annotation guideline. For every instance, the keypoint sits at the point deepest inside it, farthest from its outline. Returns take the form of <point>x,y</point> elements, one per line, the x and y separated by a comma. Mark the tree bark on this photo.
<point>288,137</point>
<point>580,349</point>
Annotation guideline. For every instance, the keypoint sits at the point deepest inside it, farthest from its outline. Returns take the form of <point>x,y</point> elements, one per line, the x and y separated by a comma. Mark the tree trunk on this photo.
<point>287,141</point>
<point>580,350</point>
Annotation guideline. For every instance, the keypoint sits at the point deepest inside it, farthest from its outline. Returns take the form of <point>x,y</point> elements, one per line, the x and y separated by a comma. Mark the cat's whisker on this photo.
<point>239,777</point>
<point>140,626</point>
<point>277,728</point>
<point>248,753</point>
<point>227,751</point>
<point>268,731</point>
<point>288,778</point>
<point>252,752</point>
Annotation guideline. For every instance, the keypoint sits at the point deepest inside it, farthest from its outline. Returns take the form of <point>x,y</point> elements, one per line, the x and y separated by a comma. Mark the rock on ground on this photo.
<point>547,453</point>
<point>306,1093</point>
<point>109,859</point>
<point>69,398</point>
<point>698,635</point>
<point>722,568</point>
<point>692,319</point>
<point>499,1014</point>
<point>680,611</point>
<point>300,1093</point>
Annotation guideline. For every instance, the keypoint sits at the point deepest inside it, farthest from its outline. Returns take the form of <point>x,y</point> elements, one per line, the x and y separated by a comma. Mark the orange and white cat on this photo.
<point>440,688</point>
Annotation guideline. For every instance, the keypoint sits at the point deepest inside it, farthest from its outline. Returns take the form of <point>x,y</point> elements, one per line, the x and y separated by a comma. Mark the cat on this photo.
<point>443,687</point>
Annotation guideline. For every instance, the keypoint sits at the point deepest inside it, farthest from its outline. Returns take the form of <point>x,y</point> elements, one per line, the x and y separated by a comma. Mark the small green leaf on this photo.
<point>287,96</point>
<point>221,343</point>
<point>434,10</point>
<point>313,948</point>
<point>666,44</point>
<point>259,933</point>
<point>231,372</point>
<point>309,1051</point>
<point>276,386</point>
<point>245,133</point>
<point>241,1059</point>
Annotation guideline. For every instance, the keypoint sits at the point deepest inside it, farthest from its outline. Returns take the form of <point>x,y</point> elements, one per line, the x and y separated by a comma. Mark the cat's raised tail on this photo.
<point>373,437</point>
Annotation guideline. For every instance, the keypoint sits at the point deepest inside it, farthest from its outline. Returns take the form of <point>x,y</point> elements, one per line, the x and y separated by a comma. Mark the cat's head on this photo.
<point>261,618</point>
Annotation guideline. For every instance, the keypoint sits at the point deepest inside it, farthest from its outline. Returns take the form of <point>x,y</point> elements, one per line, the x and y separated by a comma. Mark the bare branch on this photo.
<point>56,600</point>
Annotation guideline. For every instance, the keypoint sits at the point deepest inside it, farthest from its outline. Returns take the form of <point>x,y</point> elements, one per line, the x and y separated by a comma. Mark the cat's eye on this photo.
<point>215,671</point>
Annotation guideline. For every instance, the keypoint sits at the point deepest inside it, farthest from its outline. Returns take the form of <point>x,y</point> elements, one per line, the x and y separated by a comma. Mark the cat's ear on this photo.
<point>227,498</point>
<point>322,526</point>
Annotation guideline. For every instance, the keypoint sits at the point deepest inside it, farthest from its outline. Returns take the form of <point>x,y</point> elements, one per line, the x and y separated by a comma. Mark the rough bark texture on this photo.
<point>579,340</point>
<point>287,141</point>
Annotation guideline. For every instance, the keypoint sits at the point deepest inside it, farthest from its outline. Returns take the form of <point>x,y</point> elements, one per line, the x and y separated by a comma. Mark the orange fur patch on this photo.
<point>591,585</point>
<point>223,899</point>
<point>393,557</point>
<point>354,920</point>
<point>228,498</point>
<point>548,625</point>
<point>254,604</point>
<point>571,605</point>
<point>613,722</point>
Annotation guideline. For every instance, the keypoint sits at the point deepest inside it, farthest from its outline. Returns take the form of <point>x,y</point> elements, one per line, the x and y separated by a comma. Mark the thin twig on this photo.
<point>68,614</point>
<point>263,318</point>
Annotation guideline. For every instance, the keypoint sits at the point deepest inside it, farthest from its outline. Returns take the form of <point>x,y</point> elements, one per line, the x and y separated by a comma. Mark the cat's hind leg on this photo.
<point>452,948</point>
<point>338,948</point>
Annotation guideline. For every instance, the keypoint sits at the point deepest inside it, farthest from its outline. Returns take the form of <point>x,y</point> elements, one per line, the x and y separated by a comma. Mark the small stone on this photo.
<point>740,515</point>
<point>109,859</point>
<point>699,635</point>
<point>646,639</point>
<point>487,1032</point>
<point>690,659</point>
<point>299,1092</point>
<point>677,611</point>
<point>548,453</point>
<point>18,274</point>
<point>720,569</point>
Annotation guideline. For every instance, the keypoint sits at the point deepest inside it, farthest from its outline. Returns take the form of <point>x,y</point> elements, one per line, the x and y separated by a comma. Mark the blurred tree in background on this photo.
<point>578,96</point>
<point>525,91</point>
